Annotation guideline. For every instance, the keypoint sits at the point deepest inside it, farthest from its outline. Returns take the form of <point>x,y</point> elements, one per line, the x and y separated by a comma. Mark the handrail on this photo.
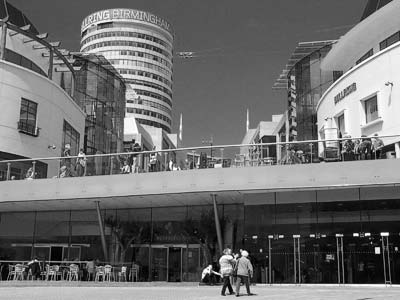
<point>199,148</point>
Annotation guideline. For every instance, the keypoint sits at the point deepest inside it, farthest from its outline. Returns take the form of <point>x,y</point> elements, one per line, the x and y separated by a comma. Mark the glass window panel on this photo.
<point>371,109</point>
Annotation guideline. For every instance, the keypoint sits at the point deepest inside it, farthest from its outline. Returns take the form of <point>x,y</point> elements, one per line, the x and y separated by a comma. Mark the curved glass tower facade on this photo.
<point>140,46</point>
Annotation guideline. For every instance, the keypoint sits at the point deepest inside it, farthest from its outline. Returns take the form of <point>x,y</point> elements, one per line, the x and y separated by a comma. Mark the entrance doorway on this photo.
<point>172,263</point>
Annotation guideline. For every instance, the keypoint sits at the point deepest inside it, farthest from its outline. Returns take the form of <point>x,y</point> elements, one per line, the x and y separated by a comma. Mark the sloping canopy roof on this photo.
<point>15,16</point>
<point>364,36</point>
<point>302,50</point>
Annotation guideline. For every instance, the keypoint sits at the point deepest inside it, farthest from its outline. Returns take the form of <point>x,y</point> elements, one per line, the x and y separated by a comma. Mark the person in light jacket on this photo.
<point>244,271</point>
<point>227,262</point>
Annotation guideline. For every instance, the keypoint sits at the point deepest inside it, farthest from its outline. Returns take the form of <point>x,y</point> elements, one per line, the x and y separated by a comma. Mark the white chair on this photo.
<point>122,274</point>
<point>99,273</point>
<point>11,272</point>
<point>108,274</point>
<point>73,273</point>
<point>19,272</point>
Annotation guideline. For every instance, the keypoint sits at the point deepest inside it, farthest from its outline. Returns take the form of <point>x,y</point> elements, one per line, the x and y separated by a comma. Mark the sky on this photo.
<point>242,47</point>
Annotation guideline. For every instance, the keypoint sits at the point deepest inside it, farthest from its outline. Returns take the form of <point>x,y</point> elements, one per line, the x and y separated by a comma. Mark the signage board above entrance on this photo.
<point>347,91</point>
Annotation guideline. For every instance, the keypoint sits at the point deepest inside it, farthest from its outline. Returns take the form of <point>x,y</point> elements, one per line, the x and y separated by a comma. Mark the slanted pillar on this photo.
<point>3,39</point>
<point>217,223</point>
<point>51,60</point>
<point>103,236</point>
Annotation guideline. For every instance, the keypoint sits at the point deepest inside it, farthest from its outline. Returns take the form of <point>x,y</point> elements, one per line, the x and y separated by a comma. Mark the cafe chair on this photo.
<point>99,274</point>
<point>108,274</point>
<point>122,274</point>
<point>73,273</point>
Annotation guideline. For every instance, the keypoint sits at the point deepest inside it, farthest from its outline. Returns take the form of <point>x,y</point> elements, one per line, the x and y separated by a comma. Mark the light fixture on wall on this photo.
<point>52,147</point>
<point>387,83</point>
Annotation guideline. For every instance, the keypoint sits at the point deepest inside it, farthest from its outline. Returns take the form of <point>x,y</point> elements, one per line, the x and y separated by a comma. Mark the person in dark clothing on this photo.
<point>34,266</point>
<point>365,148</point>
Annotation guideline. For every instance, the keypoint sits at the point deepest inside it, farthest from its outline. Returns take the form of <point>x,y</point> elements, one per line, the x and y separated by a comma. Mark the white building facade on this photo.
<point>38,113</point>
<point>140,46</point>
<point>364,101</point>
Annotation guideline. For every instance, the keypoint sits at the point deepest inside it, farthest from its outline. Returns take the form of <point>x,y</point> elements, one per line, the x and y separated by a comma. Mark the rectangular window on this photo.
<point>71,137</point>
<point>27,117</point>
<point>341,125</point>
<point>371,109</point>
<point>389,41</point>
<point>365,56</point>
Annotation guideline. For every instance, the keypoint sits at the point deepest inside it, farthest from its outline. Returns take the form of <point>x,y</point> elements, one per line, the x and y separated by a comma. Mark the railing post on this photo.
<point>8,171</point>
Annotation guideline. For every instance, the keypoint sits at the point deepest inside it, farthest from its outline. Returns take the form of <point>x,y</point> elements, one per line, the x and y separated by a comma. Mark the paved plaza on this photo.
<point>177,292</point>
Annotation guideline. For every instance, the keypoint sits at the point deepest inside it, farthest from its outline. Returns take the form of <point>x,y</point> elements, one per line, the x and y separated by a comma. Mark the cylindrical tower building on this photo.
<point>140,46</point>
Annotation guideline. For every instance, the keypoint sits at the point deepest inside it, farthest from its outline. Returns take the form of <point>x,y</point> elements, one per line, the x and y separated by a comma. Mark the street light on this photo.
<point>210,142</point>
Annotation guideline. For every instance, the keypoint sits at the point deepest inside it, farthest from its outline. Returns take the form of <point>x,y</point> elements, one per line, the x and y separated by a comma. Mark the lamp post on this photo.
<point>209,142</point>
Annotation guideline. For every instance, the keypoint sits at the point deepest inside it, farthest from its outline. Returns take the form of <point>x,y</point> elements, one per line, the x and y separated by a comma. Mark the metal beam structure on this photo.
<point>102,234</point>
<point>217,223</point>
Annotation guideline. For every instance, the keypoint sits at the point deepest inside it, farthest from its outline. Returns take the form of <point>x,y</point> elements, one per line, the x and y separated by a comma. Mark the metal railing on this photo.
<point>213,156</point>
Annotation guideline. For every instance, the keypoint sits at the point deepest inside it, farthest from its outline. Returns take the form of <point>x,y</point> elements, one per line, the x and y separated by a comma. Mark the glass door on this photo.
<point>159,266</point>
<point>174,264</point>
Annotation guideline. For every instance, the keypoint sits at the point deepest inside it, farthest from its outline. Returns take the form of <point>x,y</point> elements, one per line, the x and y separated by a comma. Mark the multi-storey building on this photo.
<point>140,46</point>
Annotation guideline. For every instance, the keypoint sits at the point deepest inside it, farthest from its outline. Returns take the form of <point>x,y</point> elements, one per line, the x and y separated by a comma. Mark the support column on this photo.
<point>3,39</point>
<point>217,223</point>
<point>51,59</point>
<point>103,237</point>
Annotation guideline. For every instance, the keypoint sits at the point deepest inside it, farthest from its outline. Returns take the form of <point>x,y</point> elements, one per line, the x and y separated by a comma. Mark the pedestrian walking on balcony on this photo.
<point>227,263</point>
<point>244,271</point>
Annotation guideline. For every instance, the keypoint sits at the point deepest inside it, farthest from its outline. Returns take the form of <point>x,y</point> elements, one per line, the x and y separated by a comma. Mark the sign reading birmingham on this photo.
<point>127,14</point>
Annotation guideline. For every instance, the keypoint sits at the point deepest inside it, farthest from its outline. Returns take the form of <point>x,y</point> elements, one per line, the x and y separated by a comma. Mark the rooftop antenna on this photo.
<point>247,120</point>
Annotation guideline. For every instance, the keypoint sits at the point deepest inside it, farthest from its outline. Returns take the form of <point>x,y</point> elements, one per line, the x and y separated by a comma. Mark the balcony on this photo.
<point>29,129</point>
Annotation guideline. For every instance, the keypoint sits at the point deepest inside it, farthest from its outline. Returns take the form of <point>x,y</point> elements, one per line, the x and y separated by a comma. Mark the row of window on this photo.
<point>148,84</point>
<point>365,56</point>
<point>22,61</point>
<point>153,95</point>
<point>146,55</point>
<point>128,44</point>
<point>149,113</point>
<point>390,40</point>
<point>151,104</point>
<point>154,124</point>
<point>138,63</point>
<point>142,73</point>
<point>111,25</point>
<point>127,34</point>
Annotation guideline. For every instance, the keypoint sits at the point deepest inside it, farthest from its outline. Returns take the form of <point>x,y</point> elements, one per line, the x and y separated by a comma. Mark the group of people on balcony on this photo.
<point>361,149</point>
<point>72,169</point>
